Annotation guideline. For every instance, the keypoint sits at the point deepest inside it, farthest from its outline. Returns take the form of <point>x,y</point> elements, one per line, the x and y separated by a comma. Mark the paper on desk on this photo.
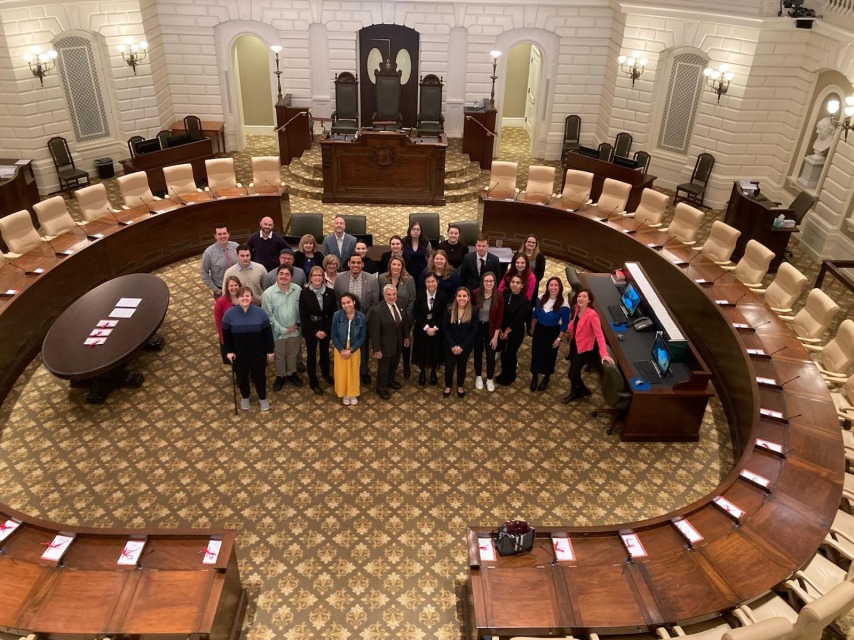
<point>107,323</point>
<point>770,446</point>
<point>633,545</point>
<point>7,528</point>
<point>9,292</point>
<point>771,413</point>
<point>121,312</point>
<point>96,333</point>
<point>129,302</point>
<point>762,481</point>
<point>93,342</point>
<point>688,531</point>
<point>131,552</point>
<point>57,547</point>
<point>729,507</point>
<point>486,549</point>
<point>563,549</point>
<point>211,552</point>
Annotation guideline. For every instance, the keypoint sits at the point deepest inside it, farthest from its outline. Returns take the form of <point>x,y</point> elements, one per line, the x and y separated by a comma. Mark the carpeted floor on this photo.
<point>351,519</point>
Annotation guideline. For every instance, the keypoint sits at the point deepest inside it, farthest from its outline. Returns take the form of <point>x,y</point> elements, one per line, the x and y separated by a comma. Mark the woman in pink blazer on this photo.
<point>585,338</point>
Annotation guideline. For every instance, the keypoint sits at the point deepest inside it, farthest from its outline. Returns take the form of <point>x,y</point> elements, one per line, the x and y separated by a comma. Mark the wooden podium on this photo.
<point>20,190</point>
<point>479,134</point>
<point>754,217</point>
<point>293,129</point>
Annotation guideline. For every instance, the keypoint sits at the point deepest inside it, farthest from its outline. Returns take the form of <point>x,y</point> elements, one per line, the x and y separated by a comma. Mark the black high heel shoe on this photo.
<point>544,383</point>
<point>534,382</point>
<point>461,394</point>
<point>446,393</point>
<point>422,378</point>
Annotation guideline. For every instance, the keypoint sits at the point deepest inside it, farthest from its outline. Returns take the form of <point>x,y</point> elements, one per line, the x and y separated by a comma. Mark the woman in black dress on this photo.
<point>416,250</point>
<point>429,312</point>
<point>549,320</point>
<point>317,305</point>
<point>458,331</point>
<point>306,257</point>
<point>516,314</point>
<point>531,250</point>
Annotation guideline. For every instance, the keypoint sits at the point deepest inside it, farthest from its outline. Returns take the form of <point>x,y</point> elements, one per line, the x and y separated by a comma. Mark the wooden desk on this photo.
<point>153,241</point>
<point>20,191</point>
<point>479,135</point>
<point>754,218</point>
<point>152,163</point>
<point>602,170</point>
<point>600,591</point>
<point>210,129</point>
<point>842,269</point>
<point>168,593</point>
<point>384,167</point>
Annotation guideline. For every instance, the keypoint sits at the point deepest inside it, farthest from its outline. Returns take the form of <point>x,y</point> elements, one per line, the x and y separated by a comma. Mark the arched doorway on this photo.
<point>251,64</point>
<point>521,103</point>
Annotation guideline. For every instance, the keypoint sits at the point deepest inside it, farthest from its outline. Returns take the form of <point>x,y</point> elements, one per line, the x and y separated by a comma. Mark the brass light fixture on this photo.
<point>41,63</point>
<point>718,80</point>
<point>844,120</point>
<point>276,49</point>
<point>633,67</point>
<point>133,53</point>
<point>495,54</point>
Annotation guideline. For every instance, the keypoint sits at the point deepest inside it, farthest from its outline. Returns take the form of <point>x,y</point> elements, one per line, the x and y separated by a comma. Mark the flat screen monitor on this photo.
<point>626,162</point>
<point>631,300</point>
<point>147,146</point>
<point>590,152</point>
<point>661,355</point>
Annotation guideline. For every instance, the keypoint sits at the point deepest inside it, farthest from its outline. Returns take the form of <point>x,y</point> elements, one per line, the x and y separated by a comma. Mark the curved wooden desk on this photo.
<point>172,233</point>
<point>779,532</point>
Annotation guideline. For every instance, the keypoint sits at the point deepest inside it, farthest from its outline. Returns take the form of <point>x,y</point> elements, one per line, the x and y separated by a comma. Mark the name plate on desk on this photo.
<point>633,545</point>
<point>691,535</point>
<point>7,529</point>
<point>211,552</point>
<point>57,547</point>
<point>486,550</point>
<point>728,508</point>
<point>563,548</point>
<point>131,552</point>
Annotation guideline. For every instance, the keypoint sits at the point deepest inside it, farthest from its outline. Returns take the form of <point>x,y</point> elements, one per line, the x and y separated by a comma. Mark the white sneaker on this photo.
<point>354,400</point>
<point>490,385</point>
<point>346,400</point>
<point>244,404</point>
<point>265,405</point>
<point>478,382</point>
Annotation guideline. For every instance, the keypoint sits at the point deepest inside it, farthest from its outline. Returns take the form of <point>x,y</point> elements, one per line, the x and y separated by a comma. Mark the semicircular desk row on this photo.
<point>734,557</point>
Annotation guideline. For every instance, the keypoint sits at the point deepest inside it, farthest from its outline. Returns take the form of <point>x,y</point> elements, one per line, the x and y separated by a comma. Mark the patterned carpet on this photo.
<point>351,520</point>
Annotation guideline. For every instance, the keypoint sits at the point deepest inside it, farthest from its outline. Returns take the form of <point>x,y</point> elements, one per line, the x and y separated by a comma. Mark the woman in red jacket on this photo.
<point>585,336</point>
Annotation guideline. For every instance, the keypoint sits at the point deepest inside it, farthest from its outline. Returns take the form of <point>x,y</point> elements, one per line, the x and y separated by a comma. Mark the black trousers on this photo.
<point>311,345</point>
<point>386,370</point>
<point>254,367</point>
<point>510,355</point>
<point>481,344</point>
<point>577,362</point>
<point>458,362</point>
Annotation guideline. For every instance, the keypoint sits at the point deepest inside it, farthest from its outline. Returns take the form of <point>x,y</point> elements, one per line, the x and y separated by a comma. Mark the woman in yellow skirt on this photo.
<point>348,334</point>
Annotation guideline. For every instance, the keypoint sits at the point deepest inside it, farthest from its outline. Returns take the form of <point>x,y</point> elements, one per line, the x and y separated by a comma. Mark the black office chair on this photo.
<point>303,223</point>
<point>643,159</point>
<point>429,226</point>
<point>70,177</point>
<point>695,190</point>
<point>617,396</point>
<point>469,231</point>
<point>801,205</point>
<point>606,152</point>
<point>573,279</point>
<point>132,144</point>
<point>193,126</point>
<point>355,225</point>
<point>623,144</point>
<point>571,135</point>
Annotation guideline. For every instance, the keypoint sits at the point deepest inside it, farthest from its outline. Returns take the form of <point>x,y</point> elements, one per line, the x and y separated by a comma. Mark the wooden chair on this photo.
<point>193,126</point>
<point>430,118</point>
<point>70,177</point>
<point>345,118</point>
<point>695,190</point>
<point>623,144</point>
<point>571,134</point>
<point>606,152</point>
<point>643,159</point>
<point>387,115</point>
<point>132,144</point>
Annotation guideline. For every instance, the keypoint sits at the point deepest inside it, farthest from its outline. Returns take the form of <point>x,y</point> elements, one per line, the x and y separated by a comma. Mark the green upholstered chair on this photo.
<point>345,118</point>
<point>430,118</point>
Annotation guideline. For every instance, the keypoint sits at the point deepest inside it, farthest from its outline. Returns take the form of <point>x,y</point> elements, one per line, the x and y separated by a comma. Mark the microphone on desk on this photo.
<point>739,300</point>
<point>687,265</point>
<point>765,356</point>
<point>271,184</point>
<point>788,381</point>
<point>490,190</point>
<point>145,204</point>
<point>637,228</point>
<point>762,325</point>
<point>145,555</point>
<point>659,247</point>
<point>59,254</point>
<point>213,193</point>
<point>180,199</point>
<point>27,272</point>
<point>709,283</point>
<point>582,202</point>
<point>121,223</point>
<point>608,217</point>
<point>245,188</point>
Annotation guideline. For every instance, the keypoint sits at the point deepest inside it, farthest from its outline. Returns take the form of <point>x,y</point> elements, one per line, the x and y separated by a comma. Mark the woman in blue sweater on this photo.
<point>248,340</point>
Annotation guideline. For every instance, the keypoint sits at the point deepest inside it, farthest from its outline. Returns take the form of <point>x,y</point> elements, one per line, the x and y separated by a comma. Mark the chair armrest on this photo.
<point>239,186</point>
<point>752,285</point>
<point>728,268</point>
<point>812,347</point>
<point>757,289</point>
<point>125,207</point>
<point>807,341</point>
<point>781,311</point>
<point>654,226</point>
<point>742,614</point>
<point>629,215</point>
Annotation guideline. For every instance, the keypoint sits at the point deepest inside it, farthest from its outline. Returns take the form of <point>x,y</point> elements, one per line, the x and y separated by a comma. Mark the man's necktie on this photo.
<point>396,314</point>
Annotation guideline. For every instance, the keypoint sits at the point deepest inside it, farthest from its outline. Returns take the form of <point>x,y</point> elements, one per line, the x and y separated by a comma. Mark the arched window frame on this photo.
<point>682,62</point>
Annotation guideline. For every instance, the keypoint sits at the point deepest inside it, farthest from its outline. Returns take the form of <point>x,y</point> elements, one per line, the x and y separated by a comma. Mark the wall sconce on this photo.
<point>278,73</point>
<point>41,63</point>
<point>133,53</point>
<point>633,67</point>
<point>840,123</point>
<point>495,55</point>
<point>718,81</point>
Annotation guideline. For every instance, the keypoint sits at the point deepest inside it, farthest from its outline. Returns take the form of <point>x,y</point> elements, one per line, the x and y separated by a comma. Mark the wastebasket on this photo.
<point>105,168</point>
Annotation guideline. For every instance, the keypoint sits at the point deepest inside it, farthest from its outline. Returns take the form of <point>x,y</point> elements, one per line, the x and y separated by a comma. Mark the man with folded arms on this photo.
<point>251,274</point>
<point>281,302</point>
<point>265,244</point>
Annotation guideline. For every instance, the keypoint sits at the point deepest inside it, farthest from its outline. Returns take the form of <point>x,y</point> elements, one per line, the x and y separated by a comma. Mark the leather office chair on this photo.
<point>606,152</point>
<point>814,318</point>
<point>753,266</point>
<point>623,144</point>
<point>134,189</point>
<point>53,216</point>
<point>67,172</point>
<point>571,134</point>
<point>695,189</point>
<point>614,196</point>
<point>685,224</point>
<point>815,579</point>
<point>651,208</point>
<point>132,144</point>
<point>787,287</point>
<point>18,233</point>
<point>765,608</point>
<point>541,182</point>
<point>643,159</point>
<point>572,279</point>
<point>221,173</point>
<point>265,171</point>
<point>305,223</point>
<point>430,118</point>
<point>502,180</point>
<point>577,186</point>
<point>429,226</point>
<point>345,118</point>
<point>387,115</point>
<point>93,202</point>
<point>469,231</point>
<point>193,127</point>
<point>840,538</point>
<point>721,243</point>
<point>836,358</point>
<point>616,393</point>
<point>356,225</point>
<point>843,401</point>
<point>770,629</point>
<point>179,179</point>
<point>801,205</point>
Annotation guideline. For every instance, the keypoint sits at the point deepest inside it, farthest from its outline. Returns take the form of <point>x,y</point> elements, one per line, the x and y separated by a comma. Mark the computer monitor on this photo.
<point>630,299</point>
<point>661,355</point>
<point>626,162</point>
<point>147,146</point>
<point>590,152</point>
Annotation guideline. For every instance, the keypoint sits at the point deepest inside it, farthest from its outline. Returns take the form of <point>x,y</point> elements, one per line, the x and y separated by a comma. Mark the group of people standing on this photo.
<point>419,304</point>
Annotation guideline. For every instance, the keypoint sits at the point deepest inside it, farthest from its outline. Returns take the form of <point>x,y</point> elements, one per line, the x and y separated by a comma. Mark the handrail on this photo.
<point>284,126</point>
<point>491,133</point>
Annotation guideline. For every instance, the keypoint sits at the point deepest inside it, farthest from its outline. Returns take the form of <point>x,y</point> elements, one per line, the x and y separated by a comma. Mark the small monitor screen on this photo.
<point>590,152</point>
<point>147,146</point>
<point>631,300</point>
<point>661,354</point>
<point>626,162</point>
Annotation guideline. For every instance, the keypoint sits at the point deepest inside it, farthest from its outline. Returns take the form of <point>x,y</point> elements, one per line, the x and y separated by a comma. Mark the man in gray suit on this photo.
<point>340,244</point>
<point>388,327</point>
<point>366,288</point>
